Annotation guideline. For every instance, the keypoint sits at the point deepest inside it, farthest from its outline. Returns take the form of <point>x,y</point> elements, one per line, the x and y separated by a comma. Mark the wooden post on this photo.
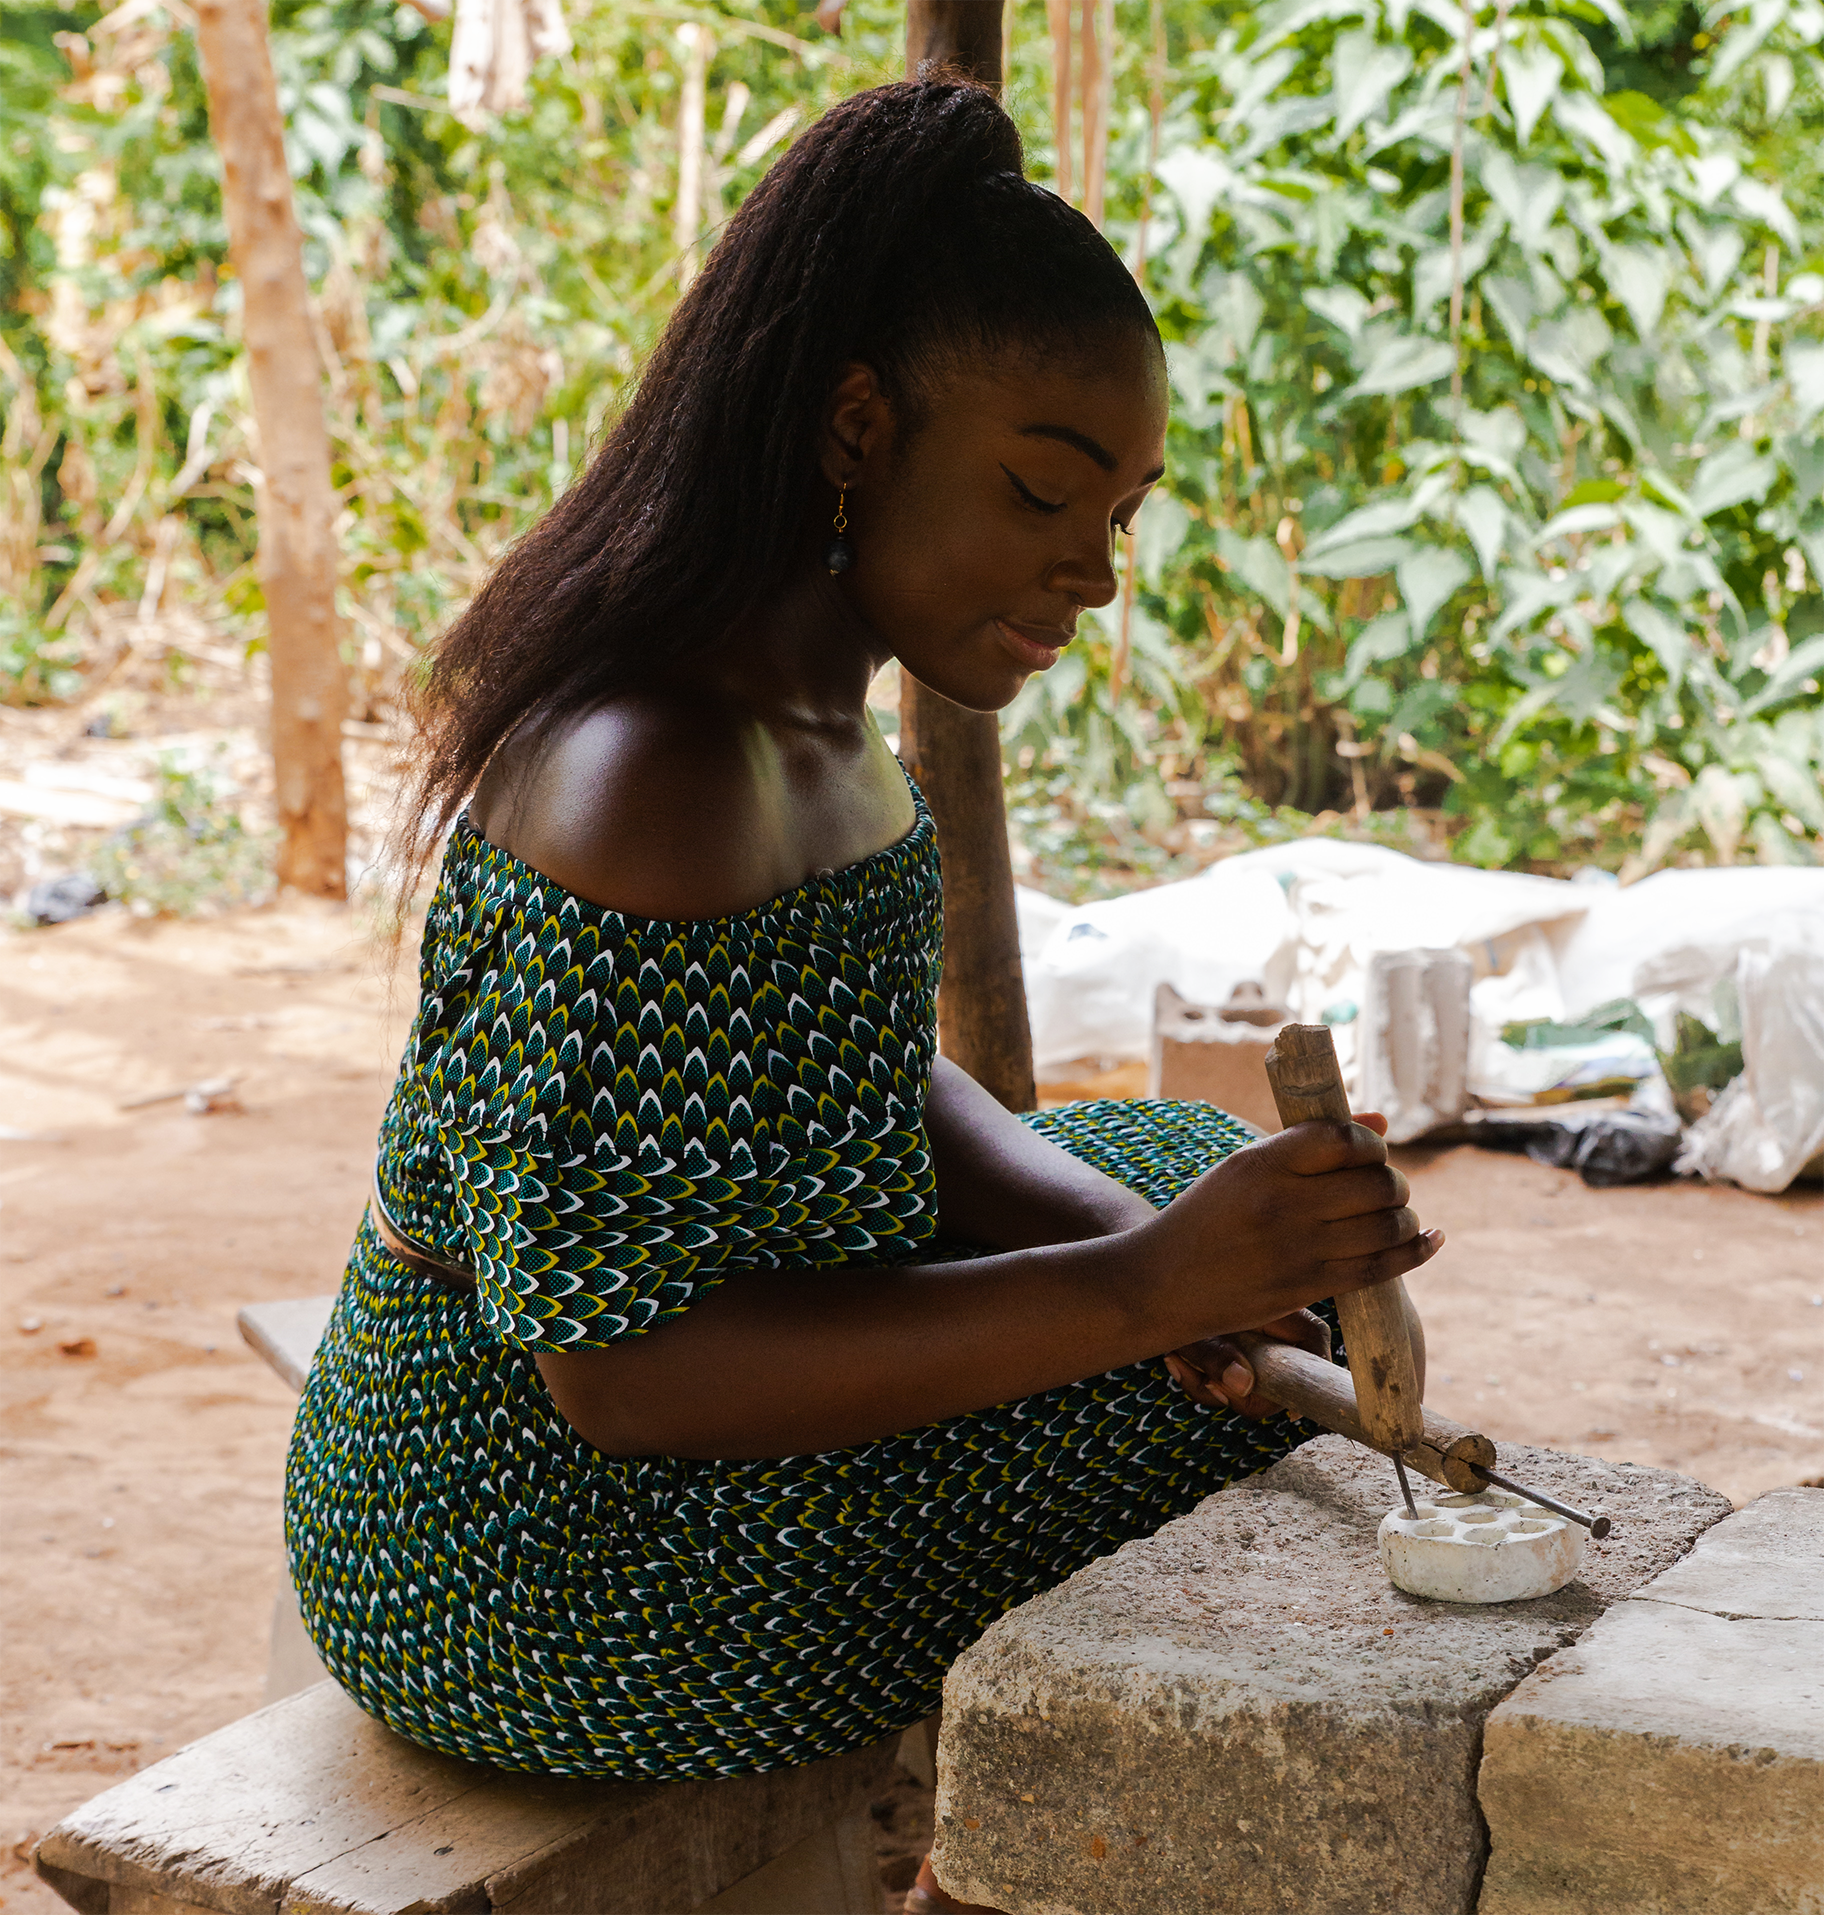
<point>955,755</point>
<point>296,503</point>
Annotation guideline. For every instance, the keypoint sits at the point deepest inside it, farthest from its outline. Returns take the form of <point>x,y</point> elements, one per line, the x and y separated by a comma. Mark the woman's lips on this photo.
<point>1035,646</point>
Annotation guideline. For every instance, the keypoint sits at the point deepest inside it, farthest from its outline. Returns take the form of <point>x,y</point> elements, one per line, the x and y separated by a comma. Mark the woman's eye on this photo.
<point>1030,497</point>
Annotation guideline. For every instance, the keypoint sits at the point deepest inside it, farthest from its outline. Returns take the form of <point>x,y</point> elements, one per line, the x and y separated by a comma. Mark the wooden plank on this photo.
<point>287,1334</point>
<point>955,33</point>
<point>954,755</point>
<point>309,1807</point>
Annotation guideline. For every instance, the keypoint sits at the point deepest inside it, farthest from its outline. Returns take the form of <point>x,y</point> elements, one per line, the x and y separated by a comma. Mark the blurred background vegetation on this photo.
<point>1494,522</point>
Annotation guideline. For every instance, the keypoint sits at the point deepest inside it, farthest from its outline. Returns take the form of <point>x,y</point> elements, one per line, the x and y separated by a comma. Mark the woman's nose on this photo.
<point>1087,575</point>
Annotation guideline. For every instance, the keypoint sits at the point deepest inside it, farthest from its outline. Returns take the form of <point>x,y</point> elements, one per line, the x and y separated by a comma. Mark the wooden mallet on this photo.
<point>1308,1086</point>
<point>1383,1409</point>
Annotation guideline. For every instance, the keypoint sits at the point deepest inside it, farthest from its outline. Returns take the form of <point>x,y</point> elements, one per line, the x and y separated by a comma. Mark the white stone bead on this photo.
<point>1488,1548</point>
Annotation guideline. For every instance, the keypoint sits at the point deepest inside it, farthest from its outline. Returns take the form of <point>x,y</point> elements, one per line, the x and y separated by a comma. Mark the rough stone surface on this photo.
<point>1242,1712</point>
<point>1673,1760</point>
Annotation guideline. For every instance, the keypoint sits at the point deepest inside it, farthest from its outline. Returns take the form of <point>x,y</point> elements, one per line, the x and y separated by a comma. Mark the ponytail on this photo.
<point>898,230</point>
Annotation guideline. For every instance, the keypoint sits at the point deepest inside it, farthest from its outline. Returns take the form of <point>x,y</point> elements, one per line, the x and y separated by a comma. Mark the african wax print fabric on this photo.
<point>604,1116</point>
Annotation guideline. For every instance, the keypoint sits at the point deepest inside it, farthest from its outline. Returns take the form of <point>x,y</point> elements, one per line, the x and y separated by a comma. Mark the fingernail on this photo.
<point>1236,1380</point>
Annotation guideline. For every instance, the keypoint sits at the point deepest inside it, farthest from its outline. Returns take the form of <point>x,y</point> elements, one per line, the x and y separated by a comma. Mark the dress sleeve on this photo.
<point>590,1086</point>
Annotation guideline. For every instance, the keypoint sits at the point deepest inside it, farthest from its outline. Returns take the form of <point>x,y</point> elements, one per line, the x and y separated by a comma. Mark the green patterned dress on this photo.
<point>603,1116</point>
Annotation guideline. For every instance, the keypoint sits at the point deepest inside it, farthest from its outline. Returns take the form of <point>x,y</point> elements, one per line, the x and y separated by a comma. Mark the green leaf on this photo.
<point>1585,118</point>
<point>1377,643</point>
<point>1345,308</point>
<point>1365,71</point>
<point>1483,516</point>
<point>1259,564</point>
<point>1197,179</point>
<point>1372,521</point>
<point>1366,558</point>
<point>1528,196</point>
<point>1802,662</point>
<point>1402,364</point>
<point>1639,276</point>
<point>1650,123</point>
<point>1427,578</point>
<point>1530,73</point>
<point>1732,475</point>
<point>1579,519</point>
<point>1159,530</point>
<point>1665,639</point>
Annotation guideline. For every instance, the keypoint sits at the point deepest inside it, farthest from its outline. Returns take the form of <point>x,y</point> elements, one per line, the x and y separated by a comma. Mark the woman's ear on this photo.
<point>859,428</point>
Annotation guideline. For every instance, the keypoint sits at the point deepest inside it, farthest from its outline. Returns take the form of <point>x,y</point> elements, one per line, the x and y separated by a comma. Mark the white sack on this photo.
<point>1602,954</point>
<point>1768,1123</point>
<point>1302,919</point>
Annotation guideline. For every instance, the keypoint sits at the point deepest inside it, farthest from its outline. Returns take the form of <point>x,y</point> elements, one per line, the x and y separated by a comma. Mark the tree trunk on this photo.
<point>955,755</point>
<point>296,503</point>
<point>955,33</point>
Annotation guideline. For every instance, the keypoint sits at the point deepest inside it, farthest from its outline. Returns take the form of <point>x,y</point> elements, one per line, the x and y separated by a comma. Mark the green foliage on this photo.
<point>188,855</point>
<point>36,667</point>
<point>485,292</point>
<point>1581,588</point>
<point>1578,608</point>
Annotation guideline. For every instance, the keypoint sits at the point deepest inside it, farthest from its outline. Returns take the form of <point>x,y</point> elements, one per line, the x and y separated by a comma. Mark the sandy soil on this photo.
<point>143,1443</point>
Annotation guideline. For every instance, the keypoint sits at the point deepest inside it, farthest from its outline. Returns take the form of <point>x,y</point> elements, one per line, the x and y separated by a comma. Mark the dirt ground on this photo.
<point>1672,1325</point>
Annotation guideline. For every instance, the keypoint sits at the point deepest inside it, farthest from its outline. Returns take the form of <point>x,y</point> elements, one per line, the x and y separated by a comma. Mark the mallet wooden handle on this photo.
<point>1308,1085</point>
<point>1322,1393</point>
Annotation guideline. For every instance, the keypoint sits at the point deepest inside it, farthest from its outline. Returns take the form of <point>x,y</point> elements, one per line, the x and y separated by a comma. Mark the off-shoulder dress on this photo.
<point>603,1116</point>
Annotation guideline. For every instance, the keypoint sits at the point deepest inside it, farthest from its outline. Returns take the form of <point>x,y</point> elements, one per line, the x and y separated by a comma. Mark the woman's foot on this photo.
<point>924,1897</point>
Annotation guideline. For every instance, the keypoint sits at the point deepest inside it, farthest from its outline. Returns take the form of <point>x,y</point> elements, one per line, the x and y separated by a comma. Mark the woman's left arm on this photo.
<point>1001,1184</point>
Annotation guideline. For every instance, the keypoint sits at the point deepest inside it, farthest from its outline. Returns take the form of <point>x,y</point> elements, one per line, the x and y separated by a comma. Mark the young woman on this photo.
<point>715,1361</point>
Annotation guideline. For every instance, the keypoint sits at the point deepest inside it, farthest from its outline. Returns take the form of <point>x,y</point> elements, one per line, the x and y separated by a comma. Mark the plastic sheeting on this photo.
<point>1307,919</point>
<point>1303,919</point>
<point>1768,1124</point>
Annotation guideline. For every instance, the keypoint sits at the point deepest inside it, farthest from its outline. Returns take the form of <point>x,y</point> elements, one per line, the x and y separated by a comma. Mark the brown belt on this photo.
<point>410,1251</point>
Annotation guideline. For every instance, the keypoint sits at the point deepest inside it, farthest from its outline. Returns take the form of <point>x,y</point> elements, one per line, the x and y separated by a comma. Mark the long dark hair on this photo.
<point>898,230</point>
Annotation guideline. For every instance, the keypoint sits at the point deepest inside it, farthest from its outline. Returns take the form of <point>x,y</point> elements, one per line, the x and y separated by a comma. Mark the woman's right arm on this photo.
<point>790,1362</point>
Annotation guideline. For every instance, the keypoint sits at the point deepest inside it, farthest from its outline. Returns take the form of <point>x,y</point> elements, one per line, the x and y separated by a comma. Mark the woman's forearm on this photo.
<point>785,1362</point>
<point>791,1362</point>
<point>1000,1183</point>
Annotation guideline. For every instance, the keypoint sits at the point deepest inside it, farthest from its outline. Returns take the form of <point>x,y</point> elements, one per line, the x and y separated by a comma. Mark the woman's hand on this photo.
<point>1312,1212</point>
<point>1216,1374</point>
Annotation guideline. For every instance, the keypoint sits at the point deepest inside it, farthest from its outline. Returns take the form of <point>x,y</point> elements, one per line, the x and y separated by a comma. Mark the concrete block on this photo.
<point>1672,1762</point>
<point>1242,1713</point>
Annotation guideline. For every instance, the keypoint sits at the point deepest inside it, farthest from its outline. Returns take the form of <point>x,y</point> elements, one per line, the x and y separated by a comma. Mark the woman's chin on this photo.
<point>984,683</point>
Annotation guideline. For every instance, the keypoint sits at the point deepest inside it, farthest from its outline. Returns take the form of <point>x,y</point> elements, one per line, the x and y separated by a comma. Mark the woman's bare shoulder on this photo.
<point>644,806</point>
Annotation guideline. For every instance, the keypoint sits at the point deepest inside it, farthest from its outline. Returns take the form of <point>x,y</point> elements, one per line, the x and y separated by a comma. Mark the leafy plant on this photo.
<point>36,667</point>
<point>188,855</point>
<point>1496,456</point>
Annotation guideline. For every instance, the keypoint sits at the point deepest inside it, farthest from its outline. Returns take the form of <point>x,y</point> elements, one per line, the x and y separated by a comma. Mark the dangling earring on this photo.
<point>841,554</point>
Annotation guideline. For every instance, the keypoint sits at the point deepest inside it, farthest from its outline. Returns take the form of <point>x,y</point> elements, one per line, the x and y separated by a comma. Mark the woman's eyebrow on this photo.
<point>1070,436</point>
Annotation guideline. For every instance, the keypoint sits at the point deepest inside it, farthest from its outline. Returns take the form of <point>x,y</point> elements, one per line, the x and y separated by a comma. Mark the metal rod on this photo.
<point>1405,1489</point>
<point>1598,1526</point>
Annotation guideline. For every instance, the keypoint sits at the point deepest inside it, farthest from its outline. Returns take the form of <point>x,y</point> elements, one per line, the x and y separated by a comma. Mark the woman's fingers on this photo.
<point>1357,1193</point>
<point>1382,1266</point>
<point>1216,1371</point>
<point>1320,1147</point>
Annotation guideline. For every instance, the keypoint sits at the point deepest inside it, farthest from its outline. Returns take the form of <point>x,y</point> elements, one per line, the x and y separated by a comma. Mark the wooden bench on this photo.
<point>309,1807</point>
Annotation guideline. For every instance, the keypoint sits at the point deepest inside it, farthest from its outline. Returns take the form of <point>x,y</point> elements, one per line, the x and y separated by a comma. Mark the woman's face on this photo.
<point>979,538</point>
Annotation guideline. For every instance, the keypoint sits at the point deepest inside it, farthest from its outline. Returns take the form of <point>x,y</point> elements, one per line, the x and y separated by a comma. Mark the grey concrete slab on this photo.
<point>1242,1713</point>
<point>1672,1762</point>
